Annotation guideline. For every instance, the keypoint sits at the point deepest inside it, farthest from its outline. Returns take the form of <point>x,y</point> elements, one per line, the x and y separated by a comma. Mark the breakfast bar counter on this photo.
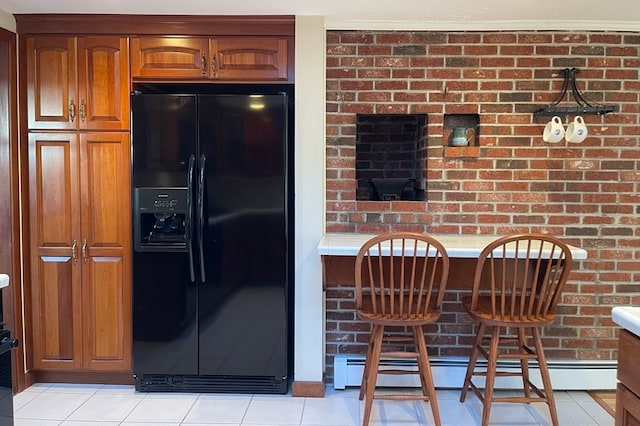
<point>339,250</point>
<point>459,246</point>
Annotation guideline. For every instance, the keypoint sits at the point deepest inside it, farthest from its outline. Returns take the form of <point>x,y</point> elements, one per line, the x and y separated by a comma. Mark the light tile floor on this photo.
<point>108,405</point>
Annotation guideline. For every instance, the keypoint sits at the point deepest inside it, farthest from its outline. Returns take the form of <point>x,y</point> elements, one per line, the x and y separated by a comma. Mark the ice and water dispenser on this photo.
<point>161,219</point>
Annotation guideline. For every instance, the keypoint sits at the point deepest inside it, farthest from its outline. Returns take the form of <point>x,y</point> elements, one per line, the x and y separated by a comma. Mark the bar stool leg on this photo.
<point>544,373</point>
<point>367,362</point>
<point>372,376</point>
<point>416,344</point>
<point>425,373</point>
<point>472,361</point>
<point>491,375</point>
<point>524,363</point>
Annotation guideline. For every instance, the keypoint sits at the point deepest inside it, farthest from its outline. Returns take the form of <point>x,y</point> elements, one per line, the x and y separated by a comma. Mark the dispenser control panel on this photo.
<point>160,219</point>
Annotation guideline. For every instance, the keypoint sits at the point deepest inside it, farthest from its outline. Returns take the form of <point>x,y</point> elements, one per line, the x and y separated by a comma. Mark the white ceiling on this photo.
<point>379,14</point>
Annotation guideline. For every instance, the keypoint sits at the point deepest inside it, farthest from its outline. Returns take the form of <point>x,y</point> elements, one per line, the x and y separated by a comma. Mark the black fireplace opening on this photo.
<point>391,156</point>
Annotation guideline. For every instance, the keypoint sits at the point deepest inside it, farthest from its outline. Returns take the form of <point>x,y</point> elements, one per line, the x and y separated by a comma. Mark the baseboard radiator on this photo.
<point>449,373</point>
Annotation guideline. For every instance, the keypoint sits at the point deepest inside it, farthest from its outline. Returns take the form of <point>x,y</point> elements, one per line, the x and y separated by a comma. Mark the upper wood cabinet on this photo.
<point>80,287</point>
<point>169,57</point>
<point>77,83</point>
<point>232,58</point>
<point>249,58</point>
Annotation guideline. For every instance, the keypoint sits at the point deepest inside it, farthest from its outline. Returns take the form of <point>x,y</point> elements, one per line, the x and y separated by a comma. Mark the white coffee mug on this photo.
<point>553,131</point>
<point>576,130</point>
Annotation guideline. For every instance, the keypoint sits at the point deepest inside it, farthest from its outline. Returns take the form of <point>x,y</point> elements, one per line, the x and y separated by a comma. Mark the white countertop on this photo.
<point>4,280</point>
<point>470,246</point>
<point>627,317</point>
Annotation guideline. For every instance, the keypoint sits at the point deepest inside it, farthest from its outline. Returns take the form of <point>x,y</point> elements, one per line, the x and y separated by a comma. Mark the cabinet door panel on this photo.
<point>169,57</point>
<point>54,224</point>
<point>53,192</point>
<point>105,163</point>
<point>103,83</point>
<point>51,83</point>
<point>106,208</point>
<point>249,58</point>
<point>106,225</point>
<point>54,341</point>
<point>107,316</point>
<point>627,407</point>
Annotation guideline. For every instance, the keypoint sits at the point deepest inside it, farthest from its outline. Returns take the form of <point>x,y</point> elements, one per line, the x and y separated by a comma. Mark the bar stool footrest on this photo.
<point>403,397</point>
<point>398,372</point>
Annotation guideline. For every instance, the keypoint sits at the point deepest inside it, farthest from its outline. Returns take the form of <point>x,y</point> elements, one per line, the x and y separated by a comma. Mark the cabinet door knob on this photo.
<point>72,111</point>
<point>74,254</point>
<point>84,250</point>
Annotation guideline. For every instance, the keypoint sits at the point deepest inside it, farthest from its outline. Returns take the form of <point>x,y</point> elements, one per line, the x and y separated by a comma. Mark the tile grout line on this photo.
<point>81,404</point>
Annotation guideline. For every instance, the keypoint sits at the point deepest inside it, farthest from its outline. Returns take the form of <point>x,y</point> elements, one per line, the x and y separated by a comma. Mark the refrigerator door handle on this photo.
<point>200,207</point>
<point>188,230</point>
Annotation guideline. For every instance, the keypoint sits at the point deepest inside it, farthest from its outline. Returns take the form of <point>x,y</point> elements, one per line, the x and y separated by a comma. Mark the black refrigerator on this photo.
<point>212,200</point>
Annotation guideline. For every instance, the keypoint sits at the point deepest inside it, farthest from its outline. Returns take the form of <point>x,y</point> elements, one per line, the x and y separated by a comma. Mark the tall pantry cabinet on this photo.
<point>79,291</point>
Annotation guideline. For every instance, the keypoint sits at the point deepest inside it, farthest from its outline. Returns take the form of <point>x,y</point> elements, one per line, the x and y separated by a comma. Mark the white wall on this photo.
<point>7,21</point>
<point>309,197</point>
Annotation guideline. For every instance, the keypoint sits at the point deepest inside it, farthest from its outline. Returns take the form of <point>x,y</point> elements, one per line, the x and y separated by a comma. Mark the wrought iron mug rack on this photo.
<point>583,107</point>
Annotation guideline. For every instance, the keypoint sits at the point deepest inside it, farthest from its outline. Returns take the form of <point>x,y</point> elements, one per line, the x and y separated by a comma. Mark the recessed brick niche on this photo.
<point>390,156</point>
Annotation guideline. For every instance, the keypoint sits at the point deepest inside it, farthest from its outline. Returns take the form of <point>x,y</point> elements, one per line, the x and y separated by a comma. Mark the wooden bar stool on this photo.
<point>400,282</point>
<point>526,274</point>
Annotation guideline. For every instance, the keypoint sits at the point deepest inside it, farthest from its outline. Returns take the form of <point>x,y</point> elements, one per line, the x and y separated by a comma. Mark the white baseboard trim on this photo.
<point>449,373</point>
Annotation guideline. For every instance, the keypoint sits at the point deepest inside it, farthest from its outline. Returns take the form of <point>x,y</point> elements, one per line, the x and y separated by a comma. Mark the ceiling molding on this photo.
<point>515,25</point>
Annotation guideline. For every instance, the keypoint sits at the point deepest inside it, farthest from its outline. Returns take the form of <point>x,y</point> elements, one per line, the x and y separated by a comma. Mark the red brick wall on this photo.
<point>588,193</point>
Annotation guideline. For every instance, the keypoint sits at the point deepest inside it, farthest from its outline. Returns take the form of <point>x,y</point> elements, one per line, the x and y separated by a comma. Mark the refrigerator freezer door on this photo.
<point>165,328</point>
<point>164,136</point>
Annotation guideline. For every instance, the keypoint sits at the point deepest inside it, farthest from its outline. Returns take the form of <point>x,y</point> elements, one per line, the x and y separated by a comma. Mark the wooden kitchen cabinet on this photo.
<point>169,57</point>
<point>628,390</point>
<point>77,83</point>
<point>79,223</point>
<point>249,58</point>
<point>233,58</point>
